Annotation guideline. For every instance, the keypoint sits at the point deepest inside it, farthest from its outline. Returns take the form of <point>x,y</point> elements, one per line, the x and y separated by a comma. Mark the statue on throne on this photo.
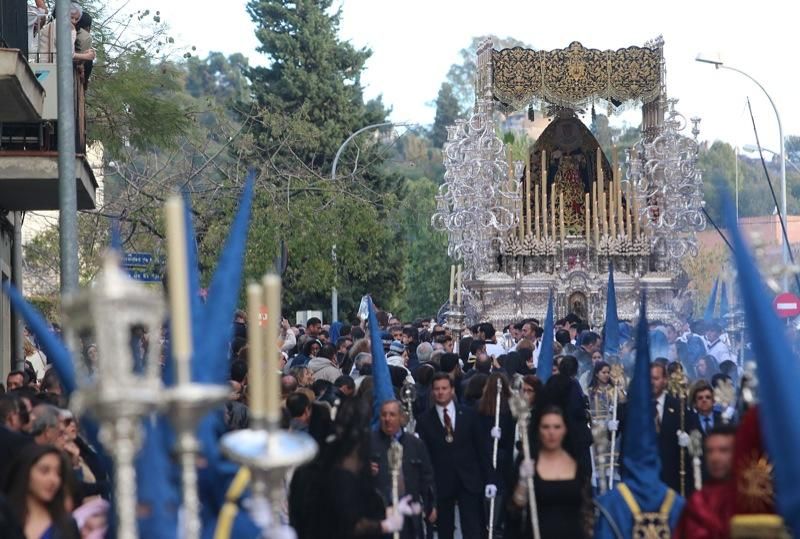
<point>571,165</point>
<point>572,180</point>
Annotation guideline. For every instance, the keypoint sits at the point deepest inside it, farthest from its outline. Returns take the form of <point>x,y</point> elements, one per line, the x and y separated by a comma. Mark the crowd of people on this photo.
<point>448,431</point>
<point>461,452</point>
<point>54,483</point>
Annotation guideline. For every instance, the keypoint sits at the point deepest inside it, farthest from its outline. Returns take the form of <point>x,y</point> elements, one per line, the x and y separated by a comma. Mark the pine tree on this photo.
<point>313,76</point>
<point>307,101</point>
<point>447,112</point>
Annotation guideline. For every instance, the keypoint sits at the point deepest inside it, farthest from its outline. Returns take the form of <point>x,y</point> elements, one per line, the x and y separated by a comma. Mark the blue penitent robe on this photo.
<point>620,513</point>
<point>641,464</point>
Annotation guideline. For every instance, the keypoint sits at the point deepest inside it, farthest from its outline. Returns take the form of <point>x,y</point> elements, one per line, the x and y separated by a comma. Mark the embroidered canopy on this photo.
<point>576,76</point>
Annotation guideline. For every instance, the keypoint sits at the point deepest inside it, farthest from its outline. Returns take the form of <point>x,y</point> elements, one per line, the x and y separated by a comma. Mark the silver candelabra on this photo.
<point>120,388</point>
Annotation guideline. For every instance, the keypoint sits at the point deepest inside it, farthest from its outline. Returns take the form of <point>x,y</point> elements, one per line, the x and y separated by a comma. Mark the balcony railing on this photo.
<point>43,135</point>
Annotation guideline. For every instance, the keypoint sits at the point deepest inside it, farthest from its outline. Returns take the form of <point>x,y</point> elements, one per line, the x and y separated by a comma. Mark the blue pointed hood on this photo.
<point>335,331</point>
<point>545,365</point>
<point>778,371</point>
<point>157,480</point>
<point>55,349</point>
<point>641,464</point>
<point>723,302</point>
<point>212,366</point>
<point>708,315</point>
<point>381,378</point>
<point>611,338</point>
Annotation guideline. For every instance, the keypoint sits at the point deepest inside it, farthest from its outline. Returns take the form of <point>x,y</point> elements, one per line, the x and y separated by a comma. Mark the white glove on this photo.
<point>259,510</point>
<point>416,508</point>
<point>683,439</point>
<point>392,523</point>
<point>728,414</point>
<point>496,432</point>
<point>526,469</point>
<point>612,425</point>
<point>491,491</point>
<point>404,506</point>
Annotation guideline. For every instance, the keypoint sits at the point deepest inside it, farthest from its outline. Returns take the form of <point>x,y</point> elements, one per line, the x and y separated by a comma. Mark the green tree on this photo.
<point>135,95</point>
<point>312,76</point>
<point>218,77</point>
<point>793,148</point>
<point>426,276</point>
<point>447,112</point>
<point>306,102</point>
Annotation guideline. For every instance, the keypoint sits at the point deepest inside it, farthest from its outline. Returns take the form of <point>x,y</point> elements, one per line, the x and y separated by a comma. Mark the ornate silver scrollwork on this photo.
<point>669,185</point>
<point>478,202</point>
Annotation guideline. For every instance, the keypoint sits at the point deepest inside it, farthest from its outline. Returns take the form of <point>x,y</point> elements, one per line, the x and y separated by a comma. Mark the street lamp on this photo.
<point>750,148</point>
<point>334,291</point>
<point>718,64</point>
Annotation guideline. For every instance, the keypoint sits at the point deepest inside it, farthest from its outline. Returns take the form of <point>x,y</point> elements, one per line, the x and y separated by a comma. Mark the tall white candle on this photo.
<point>528,217</point>
<point>255,352</point>
<point>459,277</point>
<point>178,283</point>
<point>272,391</point>
<point>561,217</point>
<point>587,223</point>
<point>452,283</point>
<point>543,198</point>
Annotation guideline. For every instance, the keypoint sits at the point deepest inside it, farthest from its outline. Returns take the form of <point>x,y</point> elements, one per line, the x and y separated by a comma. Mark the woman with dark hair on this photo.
<point>601,390</point>
<point>474,389</point>
<point>38,494</point>
<point>337,487</point>
<point>564,391</point>
<point>705,367</point>
<point>502,476</point>
<point>560,484</point>
<point>531,388</point>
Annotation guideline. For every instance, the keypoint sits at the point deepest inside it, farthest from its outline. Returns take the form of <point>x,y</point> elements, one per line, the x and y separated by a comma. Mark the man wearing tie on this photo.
<point>460,466</point>
<point>703,401</point>
<point>671,439</point>
<point>702,398</point>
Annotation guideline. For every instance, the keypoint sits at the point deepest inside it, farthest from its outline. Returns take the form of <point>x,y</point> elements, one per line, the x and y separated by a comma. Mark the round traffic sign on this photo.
<point>787,305</point>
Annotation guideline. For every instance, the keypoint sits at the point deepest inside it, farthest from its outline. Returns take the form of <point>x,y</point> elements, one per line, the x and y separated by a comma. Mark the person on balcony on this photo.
<point>37,13</point>
<point>83,44</point>
<point>47,37</point>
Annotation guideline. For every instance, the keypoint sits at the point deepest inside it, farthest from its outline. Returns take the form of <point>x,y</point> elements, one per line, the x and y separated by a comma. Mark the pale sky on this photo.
<point>414,42</point>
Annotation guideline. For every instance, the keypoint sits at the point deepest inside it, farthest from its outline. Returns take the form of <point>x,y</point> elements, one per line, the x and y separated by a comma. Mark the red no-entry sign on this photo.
<point>787,305</point>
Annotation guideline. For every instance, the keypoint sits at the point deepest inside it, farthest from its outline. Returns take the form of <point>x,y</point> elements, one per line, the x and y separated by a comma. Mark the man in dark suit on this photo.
<point>702,398</point>
<point>590,343</point>
<point>416,473</point>
<point>460,464</point>
<point>672,440</point>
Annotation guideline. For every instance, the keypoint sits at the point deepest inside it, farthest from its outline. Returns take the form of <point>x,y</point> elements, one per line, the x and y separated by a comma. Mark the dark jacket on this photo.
<point>668,447</point>
<point>462,464</point>
<point>417,472</point>
<point>11,444</point>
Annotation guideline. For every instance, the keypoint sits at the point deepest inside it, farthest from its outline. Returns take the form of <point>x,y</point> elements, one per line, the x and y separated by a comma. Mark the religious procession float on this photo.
<point>559,218</point>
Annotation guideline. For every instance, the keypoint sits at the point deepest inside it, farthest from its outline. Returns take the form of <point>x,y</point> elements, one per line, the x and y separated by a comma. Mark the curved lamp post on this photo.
<point>334,292</point>
<point>719,65</point>
<point>751,148</point>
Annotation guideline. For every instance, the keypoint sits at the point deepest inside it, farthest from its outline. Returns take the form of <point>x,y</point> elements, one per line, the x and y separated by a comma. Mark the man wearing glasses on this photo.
<point>703,401</point>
